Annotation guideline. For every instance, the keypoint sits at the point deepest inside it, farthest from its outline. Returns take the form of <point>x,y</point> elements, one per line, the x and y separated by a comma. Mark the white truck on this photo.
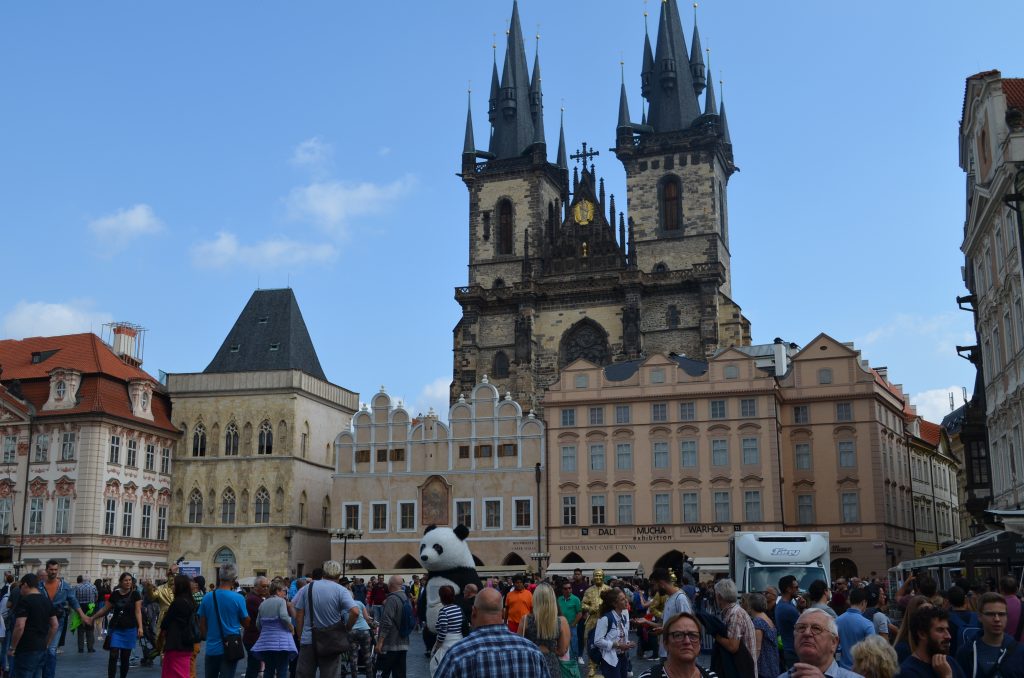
<point>759,559</point>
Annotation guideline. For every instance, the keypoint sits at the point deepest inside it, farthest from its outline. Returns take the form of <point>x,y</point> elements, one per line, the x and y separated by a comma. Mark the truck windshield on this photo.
<point>760,578</point>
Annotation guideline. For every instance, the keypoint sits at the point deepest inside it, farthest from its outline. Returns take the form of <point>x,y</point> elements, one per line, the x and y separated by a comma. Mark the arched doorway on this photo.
<point>224,556</point>
<point>362,563</point>
<point>573,558</point>
<point>478,562</point>
<point>618,558</point>
<point>513,559</point>
<point>407,562</point>
<point>672,560</point>
<point>843,567</point>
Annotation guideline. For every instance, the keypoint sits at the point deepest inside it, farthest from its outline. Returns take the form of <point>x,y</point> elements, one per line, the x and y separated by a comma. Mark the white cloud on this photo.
<point>433,395</point>
<point>42,319</point>
<point>333,205</point>
<point>313,154</point>
<point>117,229</point>
<point>940,332</point>
<point>226,251</point>
<point>933,404</point>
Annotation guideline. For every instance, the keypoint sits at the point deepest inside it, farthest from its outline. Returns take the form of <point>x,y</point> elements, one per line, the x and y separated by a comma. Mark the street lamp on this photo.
<point>539,555</point>
<point>346,534</point>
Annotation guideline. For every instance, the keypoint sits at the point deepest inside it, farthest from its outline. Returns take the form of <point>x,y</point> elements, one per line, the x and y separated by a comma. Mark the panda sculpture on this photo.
<point>448,560</point>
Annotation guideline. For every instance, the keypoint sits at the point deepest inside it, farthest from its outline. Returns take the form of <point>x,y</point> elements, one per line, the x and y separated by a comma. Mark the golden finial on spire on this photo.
<point>469,87</point>
<point>622,67</point>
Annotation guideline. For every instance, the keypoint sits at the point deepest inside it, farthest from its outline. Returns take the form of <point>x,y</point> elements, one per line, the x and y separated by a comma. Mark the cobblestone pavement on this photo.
<point>71,664</point>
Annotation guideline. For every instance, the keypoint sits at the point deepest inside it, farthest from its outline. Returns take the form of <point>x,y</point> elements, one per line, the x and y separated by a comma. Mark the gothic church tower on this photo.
<point>555,274</point>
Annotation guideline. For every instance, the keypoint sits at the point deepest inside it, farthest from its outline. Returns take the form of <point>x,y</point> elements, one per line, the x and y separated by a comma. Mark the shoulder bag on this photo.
<point>233,648</point>
<point>328,641</point>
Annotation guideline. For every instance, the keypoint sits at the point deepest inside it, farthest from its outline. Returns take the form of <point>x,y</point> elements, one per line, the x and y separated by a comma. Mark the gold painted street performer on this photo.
<point>592,609</point>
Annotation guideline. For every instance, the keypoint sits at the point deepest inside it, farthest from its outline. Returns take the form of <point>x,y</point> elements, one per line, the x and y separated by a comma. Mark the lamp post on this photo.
<point>539,555</point>
<point>346,534</point>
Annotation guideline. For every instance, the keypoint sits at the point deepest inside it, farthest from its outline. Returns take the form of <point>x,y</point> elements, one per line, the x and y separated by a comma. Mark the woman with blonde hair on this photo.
<point>546,629</point>
<point>905,644</point>
<point>874,657</point>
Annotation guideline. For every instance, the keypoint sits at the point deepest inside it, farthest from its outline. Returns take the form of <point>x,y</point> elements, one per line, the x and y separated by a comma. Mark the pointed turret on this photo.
<point>723,124</point>
<point>647,71</point>
<point>674,104</point>
<point>513,125</point>
<point>560,158</point>
<point>537,102</point>
<point>469,145</point>
<point>492,107</point>
<point>710,107</point>
<point>697,62</point>
<point>623,108</point>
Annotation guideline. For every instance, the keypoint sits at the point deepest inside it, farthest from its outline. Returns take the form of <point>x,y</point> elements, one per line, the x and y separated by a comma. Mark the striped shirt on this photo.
<point>495,652</point>
<point>449,620</point>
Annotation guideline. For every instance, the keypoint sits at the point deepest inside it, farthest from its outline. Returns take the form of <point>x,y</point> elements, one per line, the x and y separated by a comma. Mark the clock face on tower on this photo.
<point>583,212</point>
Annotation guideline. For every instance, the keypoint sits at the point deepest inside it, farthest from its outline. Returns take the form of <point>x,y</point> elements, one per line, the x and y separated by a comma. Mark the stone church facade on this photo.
<point>556,273</point>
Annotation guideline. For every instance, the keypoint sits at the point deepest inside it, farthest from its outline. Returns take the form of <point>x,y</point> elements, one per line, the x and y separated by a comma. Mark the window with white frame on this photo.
<point>261,506</point>
<point>597,509</point>
<point>624,509</point>
<point>802,456</point>
<point>622,414</point>
<point>805,509</point>
<point>68,445</point>
<point>109,517</point>
<point>847,454</point>
<point>687,411</point>
<point>691,507</point>
<point>165,460</point>
<point>568,416</point>
<point>492,514</point>
<point>464,512</point>
<point>62,516</point>
<point>850,502</point>
<point>569,458</point>
<point>688,453</point>
<point>568,509</point>
<point>662,508</point>
<point>161,523</point>
<point>597,460</point>
<point>132,455</point>
<point>114,457</point>
<point>660,453</point>
<point>752,506</point>
<point>751,451</point>
<point>231,440</point>
<point>227,507</point>
<point>147,521</point>
<point>719,452</point>
<point>195,507</point>
<point>844,411</point>
<point>723,514</point>
<point>42,448</point>
<point>127,516</point>
<point>718,409</point>
<point>623,456</point>
<point>596,416</point>
<point>522,508</point>
<point>407,516</point>
<point>378,516</point>
<point>150,457</point>
<point>198,441</point>
<point>350,515</point>
<point>10,449</point>
<point>801,414</point>
<point>748,407</point>
<point>659,412</point>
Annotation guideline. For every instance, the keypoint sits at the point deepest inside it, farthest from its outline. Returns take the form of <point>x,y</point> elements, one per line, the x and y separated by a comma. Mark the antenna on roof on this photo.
<point>951,406</point>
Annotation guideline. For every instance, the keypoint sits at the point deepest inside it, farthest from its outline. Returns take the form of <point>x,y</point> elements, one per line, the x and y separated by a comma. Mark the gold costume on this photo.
<point>591,604</point>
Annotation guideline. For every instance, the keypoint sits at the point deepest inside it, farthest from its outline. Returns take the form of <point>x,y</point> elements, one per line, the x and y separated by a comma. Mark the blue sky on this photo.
<point>162,160</point>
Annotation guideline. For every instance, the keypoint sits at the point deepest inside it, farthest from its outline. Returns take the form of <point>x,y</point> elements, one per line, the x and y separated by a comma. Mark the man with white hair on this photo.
<point>740,628</point>
<point>392,646</point>
<point>323,602</point>
<point>815,638</point>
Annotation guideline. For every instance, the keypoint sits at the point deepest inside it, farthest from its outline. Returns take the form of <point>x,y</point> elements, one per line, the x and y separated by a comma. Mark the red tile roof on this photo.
<point>13,404</point>
<point>105,377</point>
<point>1013,88</point>
<point>931,432</point>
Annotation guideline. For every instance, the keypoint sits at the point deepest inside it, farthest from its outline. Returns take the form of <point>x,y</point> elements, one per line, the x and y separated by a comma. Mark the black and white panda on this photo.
<point>447,558</point>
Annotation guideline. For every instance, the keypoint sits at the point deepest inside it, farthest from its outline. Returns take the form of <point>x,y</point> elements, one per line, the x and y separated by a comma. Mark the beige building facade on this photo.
<point>87,446</point>
<point>252,485</point>
<point>935,475</point>
<point>395,476</point>
<point>669,455</point>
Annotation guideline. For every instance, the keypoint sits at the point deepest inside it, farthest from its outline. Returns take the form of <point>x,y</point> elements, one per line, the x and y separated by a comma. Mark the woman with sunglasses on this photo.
<point>681,636</point>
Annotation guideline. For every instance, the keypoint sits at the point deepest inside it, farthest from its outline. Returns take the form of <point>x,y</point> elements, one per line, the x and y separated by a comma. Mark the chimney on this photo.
<point>883,372</point>
<point>781,358</point>
<point>126,341</point>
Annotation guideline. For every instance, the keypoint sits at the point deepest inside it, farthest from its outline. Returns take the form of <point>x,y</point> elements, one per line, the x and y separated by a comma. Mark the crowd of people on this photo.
<point>516,626</point>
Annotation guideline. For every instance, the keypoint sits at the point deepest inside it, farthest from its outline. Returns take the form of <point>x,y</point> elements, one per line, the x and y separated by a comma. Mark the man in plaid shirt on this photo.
<point>491,649</point>
<point>87,595</point>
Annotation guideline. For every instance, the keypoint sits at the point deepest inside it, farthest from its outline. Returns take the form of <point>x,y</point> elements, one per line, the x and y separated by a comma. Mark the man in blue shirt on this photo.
<point>853,626</point>
<point>995,653</point>
<point>815,639</point>
<point>929,629</point>
<point>786,615</point>
<point>61,595</point>
<point>232,619</point>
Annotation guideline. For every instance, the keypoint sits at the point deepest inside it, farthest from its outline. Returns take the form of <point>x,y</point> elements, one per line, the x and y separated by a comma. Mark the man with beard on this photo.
<point>815,638</point>
<point>995,653</point>
<point>929,627</point>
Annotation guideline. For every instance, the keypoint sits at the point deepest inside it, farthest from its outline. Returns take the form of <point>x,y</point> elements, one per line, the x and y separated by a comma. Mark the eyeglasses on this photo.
<point>684,637</point>
<point>994,614</point>
<point>809,629</point>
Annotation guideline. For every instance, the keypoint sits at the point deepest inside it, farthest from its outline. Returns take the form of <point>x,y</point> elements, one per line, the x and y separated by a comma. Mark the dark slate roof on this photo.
<point>624,370</point>
<point>271,318</point>
<point>954,421</point>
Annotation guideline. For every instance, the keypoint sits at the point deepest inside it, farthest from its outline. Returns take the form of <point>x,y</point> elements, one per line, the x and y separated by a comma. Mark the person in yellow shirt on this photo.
<point>518,603</point>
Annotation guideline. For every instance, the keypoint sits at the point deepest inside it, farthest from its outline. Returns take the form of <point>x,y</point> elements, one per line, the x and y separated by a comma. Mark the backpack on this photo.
<point>408,620</point>
<point>593,651</point>
<point>964,629</point>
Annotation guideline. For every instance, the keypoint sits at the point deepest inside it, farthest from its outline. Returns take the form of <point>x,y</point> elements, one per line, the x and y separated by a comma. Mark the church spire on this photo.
<point>723,122</point>
<point>560,158</point>
<point>623,100</point>
<point>469,145</point>
<point>647,70</point>
<point>674,104</point>
<point>537,100</point>
<point>492,107</point>
<point>513,124</point>
<point>697,59</point>
<point>710,107</point>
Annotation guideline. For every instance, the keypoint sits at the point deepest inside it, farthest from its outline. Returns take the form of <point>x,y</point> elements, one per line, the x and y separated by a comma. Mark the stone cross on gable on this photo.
<point>584,155</point>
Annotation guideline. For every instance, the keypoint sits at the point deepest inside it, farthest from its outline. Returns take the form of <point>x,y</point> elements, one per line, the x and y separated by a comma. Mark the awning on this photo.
<point>952,555</point>
<point>108,561</point>
<point>711,564</point>
<point>629,569</point>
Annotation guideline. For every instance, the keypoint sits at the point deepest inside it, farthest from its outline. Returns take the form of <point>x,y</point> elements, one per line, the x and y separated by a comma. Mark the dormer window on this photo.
<point>235,348</point>
<point>61,389</point>
<point>263,319</point>
<point>64,384</point>
<point>144,400</point>
<point>274,347</point>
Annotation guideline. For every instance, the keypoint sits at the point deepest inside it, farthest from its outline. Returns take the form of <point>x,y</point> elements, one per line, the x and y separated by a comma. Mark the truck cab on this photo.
<point>759,559</point>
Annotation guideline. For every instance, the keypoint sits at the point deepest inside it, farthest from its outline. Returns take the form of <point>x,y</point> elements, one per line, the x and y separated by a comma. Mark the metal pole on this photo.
<point>344,554</point>
<point>540,548</point>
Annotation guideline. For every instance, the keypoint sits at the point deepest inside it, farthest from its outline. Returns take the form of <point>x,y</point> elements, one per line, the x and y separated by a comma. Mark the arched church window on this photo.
<point>660,267</point>
<point>199,441</point>
<point>500,368</point>
<point>266,441</point>
<point>505,227</point>
<point>721,210</point>
<point>227,507</point>
<point>499,283</point>
<point>261,504</point>
<point>671,205</point>
<point>586,339</point>
<point>195,507</point>
<point>672,317</point>
<point>231,440</point>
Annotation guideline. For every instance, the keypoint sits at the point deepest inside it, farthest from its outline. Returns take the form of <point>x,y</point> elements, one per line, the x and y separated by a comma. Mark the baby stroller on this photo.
<point>150,613</point>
